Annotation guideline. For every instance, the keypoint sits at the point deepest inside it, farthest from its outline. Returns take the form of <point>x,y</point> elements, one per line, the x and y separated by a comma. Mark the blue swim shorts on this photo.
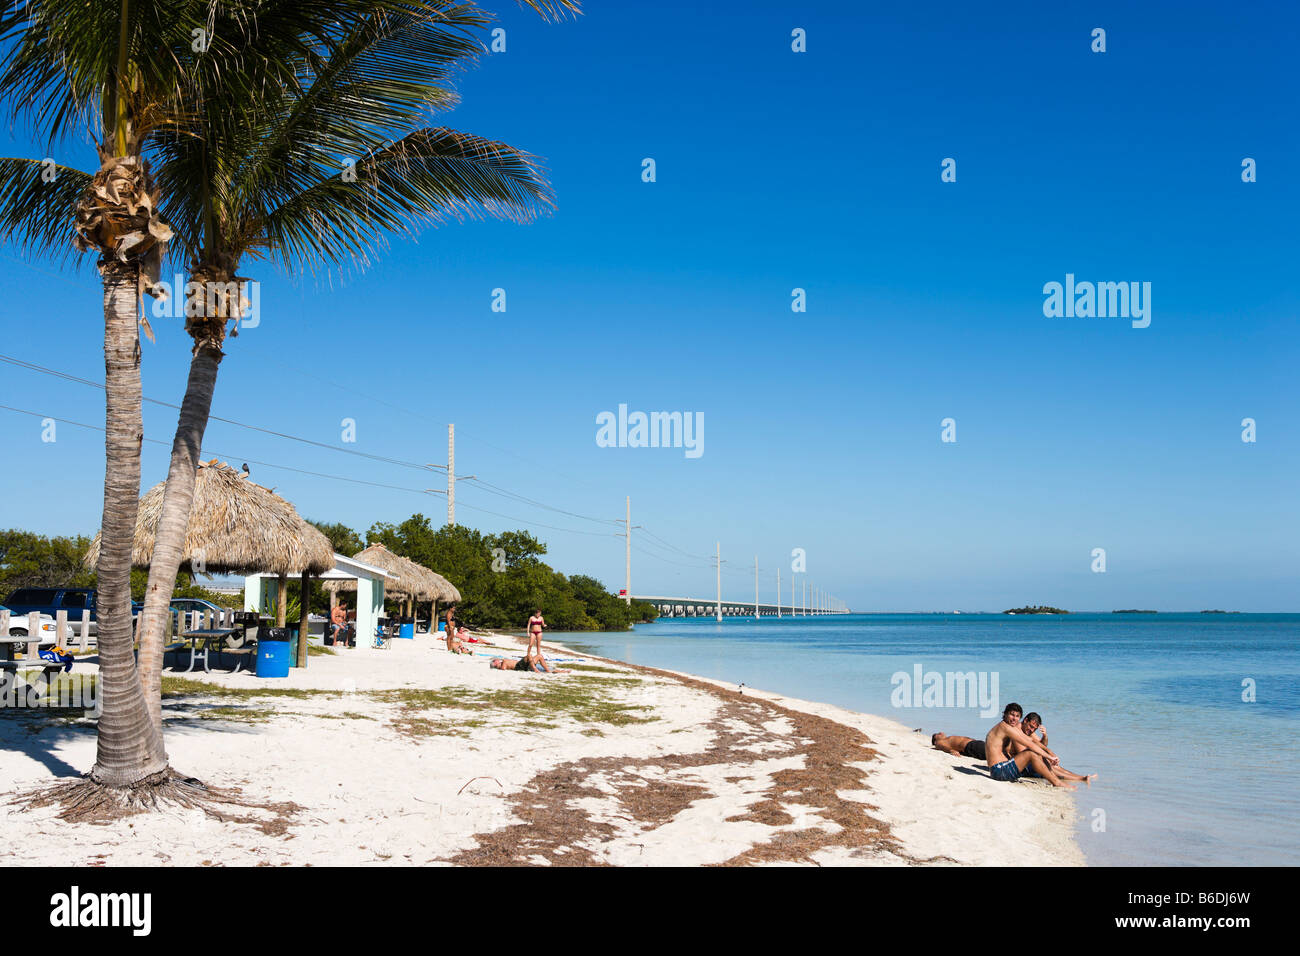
<point>1006,771</point>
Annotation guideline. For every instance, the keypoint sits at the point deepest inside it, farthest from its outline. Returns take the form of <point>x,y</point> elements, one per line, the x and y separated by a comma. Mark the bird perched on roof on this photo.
<point>246,468</point>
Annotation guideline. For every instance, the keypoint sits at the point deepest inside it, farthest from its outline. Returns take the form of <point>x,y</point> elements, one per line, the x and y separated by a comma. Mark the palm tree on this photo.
<point>271,185</point>
<point>72,66</point>
<point>126,72</point>
<point>294,70</point>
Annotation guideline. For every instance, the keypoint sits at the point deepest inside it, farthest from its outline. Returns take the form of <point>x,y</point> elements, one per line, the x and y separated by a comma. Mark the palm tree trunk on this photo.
<point>304,611</point>
<point>173,522</point>
<point>129,745</point>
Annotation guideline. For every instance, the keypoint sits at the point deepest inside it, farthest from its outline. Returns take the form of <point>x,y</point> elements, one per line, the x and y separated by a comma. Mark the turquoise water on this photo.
<point>1190,773</point>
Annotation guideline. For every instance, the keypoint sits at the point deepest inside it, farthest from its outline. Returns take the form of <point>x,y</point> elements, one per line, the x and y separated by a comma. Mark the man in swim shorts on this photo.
<point>1031,727</point>
<point>959,746</point>
<point>1030,754</point>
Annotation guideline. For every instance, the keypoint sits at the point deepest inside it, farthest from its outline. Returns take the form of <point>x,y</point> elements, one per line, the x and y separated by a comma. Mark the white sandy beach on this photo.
<point>417,756</point>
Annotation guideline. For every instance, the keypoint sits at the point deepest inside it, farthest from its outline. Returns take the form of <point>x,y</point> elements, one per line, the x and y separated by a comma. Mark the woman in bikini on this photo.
<point>535,625</point>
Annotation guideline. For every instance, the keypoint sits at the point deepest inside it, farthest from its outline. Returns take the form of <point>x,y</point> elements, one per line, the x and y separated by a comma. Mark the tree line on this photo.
<point>30,560</point>
<point>501,577</point>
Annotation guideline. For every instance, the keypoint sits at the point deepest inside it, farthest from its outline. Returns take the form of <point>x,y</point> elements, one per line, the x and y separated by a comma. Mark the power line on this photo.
<point>302,471</point>
<point>217,418</point>
<point>485,485</point>
<point>496,489</point>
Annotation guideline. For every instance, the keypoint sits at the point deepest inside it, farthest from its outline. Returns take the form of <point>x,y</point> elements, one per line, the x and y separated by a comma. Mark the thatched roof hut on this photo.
<point>236,526</point>
<point>407,579</point>
<point>447,590</point>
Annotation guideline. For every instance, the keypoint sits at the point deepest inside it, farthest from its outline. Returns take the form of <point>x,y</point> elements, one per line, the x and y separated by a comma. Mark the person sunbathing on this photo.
<point>959,746</point>
<point>463,635</point>
<point>529,662</point>
<point>1032,726</point>
<point>1030,755</point>
<point>456,644</point>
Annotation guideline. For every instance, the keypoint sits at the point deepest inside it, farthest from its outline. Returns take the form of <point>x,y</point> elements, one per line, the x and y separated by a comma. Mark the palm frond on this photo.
<point>420,180</point>
<point>37,211</point>
<point>552,9</point>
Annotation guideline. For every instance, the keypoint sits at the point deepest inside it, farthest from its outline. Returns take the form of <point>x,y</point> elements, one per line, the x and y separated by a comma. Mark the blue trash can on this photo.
<point>273,656</point>
<point>407,630</point>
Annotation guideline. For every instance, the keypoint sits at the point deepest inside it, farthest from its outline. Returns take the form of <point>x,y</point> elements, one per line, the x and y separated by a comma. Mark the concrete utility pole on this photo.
<point>805,599</point>
<point>778,592</point>
<point>628,526</point>
<point>792,595</point>
<point>451,474</point>
<point>719,604</point>
<point>756,615</point>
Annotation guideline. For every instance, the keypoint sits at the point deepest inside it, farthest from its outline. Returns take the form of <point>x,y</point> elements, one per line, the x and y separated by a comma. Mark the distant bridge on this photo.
<point>707,607</point>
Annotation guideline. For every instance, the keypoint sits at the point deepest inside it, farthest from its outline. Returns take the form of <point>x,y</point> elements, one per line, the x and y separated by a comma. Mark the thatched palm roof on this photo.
<point>406,578</point>
<point>236,526</point>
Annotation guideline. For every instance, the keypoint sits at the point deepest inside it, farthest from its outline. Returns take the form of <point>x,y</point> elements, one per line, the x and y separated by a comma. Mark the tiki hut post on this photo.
<point>305,600</point>
<point>281,598</point>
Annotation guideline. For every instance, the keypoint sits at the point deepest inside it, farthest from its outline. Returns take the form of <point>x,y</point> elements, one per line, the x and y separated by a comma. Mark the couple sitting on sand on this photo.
<point>1012,750</point>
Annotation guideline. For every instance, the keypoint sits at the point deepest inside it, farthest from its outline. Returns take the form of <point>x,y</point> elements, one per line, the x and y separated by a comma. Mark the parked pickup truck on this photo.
<point>51,601</point>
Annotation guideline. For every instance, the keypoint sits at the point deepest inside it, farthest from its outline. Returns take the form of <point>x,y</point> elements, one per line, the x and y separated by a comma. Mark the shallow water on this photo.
<point>1191,774</point>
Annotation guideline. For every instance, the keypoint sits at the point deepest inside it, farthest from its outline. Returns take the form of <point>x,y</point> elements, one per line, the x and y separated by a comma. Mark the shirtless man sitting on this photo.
<point>1031,755</point>
<point>1032,727</point>
<point>959,746</point>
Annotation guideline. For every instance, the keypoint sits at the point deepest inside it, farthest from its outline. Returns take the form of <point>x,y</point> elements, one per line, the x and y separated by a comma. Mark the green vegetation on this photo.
<point>1035,609</point>
<point>177,687</point>
<point>1132,610</point>
<point>501,577</point>
<point>29,560</point>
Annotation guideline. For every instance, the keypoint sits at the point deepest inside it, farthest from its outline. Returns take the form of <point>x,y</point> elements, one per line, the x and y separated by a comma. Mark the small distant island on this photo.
<point>1133,610</point>
<point>1035,609</point>
<point>1220,612</point>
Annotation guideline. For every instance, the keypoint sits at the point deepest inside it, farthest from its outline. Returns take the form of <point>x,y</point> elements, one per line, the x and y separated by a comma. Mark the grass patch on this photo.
<point>247,715</point>
<point>593,668</point>
<point>319,650</point>
<point>586,700</point>
<point>173,687</point>
<point>346,715</point>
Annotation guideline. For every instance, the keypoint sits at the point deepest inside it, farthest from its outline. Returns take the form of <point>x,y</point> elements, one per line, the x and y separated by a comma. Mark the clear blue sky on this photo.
<point>818,170</point>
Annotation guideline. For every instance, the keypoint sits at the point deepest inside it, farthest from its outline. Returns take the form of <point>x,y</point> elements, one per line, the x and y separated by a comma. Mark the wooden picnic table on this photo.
<point>11,644</point>
<point>211,638</point>
<point>47,668</point>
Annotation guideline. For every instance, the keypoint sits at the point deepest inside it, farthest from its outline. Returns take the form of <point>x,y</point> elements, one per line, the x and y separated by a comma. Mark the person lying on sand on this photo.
<point>463,635</point>
<point>1029,726</point>
<point>1030,755</point>
<point>959,746</point>
<point>529,662</point>
<point>456,644</point>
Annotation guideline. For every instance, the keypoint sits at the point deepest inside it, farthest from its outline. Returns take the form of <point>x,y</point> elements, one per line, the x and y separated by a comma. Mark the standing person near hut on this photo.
<point>338,618</point>
<point>535,625</point>
<point>449,624</point>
